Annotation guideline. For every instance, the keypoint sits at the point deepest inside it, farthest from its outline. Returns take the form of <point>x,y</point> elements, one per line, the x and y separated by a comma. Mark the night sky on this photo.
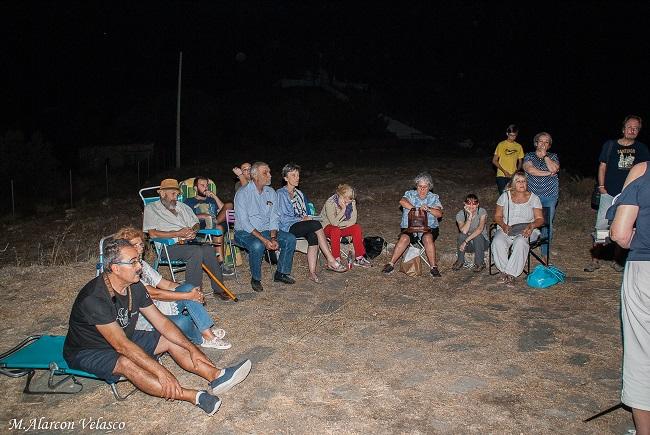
<point>466,68</point>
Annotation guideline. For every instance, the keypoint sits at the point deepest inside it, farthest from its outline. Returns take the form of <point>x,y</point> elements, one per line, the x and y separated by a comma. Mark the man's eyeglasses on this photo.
<point>131,263</point>
<point>246,169</point>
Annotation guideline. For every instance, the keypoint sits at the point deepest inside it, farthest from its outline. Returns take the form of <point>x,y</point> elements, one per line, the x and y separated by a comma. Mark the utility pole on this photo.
<point>178,113</point>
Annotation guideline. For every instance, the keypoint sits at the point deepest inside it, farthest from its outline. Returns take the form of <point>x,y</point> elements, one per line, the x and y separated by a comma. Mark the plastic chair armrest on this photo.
<point>211,231</point>
<point>164,241</point>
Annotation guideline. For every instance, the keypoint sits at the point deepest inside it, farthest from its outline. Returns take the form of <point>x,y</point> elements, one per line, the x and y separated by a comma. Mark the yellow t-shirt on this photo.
<point>509,153</point>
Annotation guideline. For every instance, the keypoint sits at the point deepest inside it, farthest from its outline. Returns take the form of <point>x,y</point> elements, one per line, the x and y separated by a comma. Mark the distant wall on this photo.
<point>117,156</point>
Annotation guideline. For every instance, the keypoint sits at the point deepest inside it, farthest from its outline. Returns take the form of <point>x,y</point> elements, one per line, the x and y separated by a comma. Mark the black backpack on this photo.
<point>374,246</point>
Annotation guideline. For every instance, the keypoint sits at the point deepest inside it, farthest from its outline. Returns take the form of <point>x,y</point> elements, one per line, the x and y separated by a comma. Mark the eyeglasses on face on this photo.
<point>471,202</point>
<point>131,263</point>
<point>138,245</point>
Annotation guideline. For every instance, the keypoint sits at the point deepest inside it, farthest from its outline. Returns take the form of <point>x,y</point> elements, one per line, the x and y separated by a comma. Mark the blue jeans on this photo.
<point>551,203</point>
<point>196,321</point>
<point>255,248</point>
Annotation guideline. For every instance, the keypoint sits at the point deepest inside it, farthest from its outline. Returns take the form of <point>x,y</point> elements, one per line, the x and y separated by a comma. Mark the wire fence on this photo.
<point>72,187</point>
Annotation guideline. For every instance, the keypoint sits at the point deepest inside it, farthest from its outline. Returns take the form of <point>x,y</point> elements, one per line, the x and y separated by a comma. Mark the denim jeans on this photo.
<point>196,321</point>
<point>551,203</point>
<point>478,245</point>
<point>255,248</point>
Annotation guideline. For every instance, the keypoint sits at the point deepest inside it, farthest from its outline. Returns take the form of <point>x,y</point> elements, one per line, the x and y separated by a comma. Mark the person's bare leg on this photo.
<point>429,248</point>
<point>221,216</point>
<point>325,248</point>
<point>401,246</point>
<point>145,381</point>
<point>641,421</point>
<point>312,257</point>
<point>182,358</point>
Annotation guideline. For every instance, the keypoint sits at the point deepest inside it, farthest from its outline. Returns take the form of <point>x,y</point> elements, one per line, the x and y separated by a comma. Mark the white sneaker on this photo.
<point>216,343</point>
<point>218,332</point>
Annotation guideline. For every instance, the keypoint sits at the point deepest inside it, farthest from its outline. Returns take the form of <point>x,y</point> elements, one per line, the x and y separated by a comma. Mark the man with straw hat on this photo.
<point>169,218</point>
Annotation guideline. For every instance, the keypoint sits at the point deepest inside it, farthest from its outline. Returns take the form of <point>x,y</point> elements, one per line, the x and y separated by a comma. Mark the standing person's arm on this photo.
<point>495,162</point>
<point>602,169</point>
<point>622,230</point>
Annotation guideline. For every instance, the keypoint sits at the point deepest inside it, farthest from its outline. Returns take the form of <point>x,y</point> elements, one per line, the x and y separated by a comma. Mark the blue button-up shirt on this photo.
<point>431,200</point>
<point>255,210</point>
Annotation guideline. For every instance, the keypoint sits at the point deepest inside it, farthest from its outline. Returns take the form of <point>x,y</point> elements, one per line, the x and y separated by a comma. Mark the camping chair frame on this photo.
<point>537,243</point>
<point>31,354</point>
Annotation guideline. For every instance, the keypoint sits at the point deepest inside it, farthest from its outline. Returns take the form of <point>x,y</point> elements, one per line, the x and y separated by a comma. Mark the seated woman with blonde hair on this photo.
<point>340,220</point>
<point>518,215</point>
<point>174,299</point>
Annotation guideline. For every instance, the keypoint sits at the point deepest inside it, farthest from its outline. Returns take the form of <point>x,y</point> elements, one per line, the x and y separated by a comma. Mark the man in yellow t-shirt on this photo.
<point>507,157</point>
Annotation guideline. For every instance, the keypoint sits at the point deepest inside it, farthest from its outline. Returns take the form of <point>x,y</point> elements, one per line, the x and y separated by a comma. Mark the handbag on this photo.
<point>418,221</point>
<point>595,197</point>
<point>545,276</point>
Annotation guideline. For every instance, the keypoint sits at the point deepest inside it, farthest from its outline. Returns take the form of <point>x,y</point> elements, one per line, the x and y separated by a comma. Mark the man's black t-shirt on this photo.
<point>94,306</point>
<point>619,160</point>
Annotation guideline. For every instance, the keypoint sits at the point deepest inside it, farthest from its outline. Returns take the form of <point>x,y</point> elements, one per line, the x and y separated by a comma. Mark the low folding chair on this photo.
<point>45,352</point>
<point>537,243</point>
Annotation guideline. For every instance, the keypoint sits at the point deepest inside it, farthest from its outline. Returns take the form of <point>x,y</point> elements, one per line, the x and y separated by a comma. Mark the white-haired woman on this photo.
<point>421,198</point>
<point>518,215</point>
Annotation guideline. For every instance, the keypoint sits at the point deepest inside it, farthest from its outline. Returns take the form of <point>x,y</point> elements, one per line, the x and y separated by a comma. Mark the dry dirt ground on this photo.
<point>362,352</point>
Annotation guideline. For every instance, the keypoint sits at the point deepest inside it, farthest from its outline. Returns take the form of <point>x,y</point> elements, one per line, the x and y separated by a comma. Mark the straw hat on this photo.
<point>169,184</point>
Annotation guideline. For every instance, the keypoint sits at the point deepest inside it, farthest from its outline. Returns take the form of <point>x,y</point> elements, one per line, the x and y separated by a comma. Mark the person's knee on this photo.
<point>287,240</point>
<point>184,288</point>
<point>255,247</point>
<point>126,367</point>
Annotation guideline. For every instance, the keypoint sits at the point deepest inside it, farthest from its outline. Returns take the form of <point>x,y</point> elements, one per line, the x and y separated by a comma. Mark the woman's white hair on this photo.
<point>423,177</point>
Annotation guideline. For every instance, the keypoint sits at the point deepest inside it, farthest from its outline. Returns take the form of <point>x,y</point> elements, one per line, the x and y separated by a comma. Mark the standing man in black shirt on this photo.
<point>616,159</point>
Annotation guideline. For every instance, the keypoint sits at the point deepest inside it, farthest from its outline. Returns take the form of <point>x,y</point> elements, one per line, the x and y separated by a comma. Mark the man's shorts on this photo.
<point>101,362</point>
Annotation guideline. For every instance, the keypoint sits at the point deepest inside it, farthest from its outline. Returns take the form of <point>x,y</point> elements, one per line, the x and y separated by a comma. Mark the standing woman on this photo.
<point>507,157</point>
<point>542,168</point>
<point>630,230</point>
<point>292,205</point>
<point>340,220</point>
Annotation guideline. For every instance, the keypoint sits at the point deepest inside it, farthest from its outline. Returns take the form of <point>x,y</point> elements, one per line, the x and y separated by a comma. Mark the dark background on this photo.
<point>105,72</point>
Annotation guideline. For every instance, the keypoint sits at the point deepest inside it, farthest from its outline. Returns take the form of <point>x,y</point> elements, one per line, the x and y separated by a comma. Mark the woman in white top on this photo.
<point>518,215</point>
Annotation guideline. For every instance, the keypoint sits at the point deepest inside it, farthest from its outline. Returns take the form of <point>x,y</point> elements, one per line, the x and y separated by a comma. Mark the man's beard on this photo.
<point>169,204</point>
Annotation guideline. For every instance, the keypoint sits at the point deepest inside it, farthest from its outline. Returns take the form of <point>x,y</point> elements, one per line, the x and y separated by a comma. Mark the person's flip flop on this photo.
<point>338,268</point>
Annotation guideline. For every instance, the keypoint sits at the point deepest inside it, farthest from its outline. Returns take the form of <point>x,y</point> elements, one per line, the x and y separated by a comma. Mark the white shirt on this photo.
<point>152,278</point>
<point>518,213</point>
<point>157,217</point>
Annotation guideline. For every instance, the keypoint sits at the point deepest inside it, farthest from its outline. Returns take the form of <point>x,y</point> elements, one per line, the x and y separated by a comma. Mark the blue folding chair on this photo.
<point>45,352</point>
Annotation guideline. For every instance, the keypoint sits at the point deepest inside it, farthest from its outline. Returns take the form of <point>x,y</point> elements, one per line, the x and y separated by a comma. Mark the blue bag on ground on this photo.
<point>545,276</point>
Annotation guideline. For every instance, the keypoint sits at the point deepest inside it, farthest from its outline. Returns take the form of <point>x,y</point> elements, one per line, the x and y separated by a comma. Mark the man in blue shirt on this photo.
<point>256,226</point>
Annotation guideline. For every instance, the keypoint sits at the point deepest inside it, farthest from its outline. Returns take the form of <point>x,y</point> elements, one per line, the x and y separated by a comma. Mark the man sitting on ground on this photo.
<point>168,218</point>
<point>211,212</point>
<point>102,339</point>
<point>256,226</point>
